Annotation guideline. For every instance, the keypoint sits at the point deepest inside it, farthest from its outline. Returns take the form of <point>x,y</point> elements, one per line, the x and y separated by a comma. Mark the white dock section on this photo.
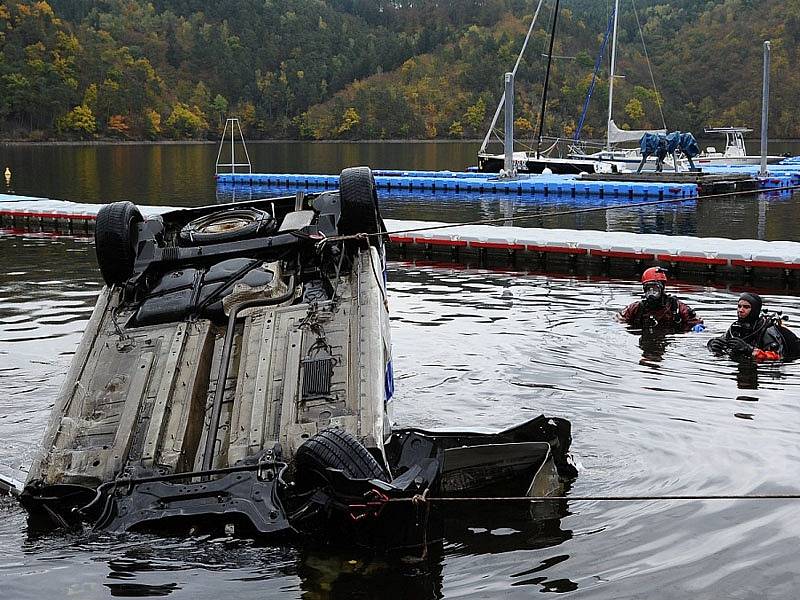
<point>20,214</point>
<point>711,252</point>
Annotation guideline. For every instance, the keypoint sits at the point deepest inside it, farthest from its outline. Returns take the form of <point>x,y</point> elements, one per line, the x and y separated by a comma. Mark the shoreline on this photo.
<point>216,142</point>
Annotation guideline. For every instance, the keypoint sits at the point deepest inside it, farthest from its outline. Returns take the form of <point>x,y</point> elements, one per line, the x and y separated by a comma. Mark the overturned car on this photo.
<point>236,372</point>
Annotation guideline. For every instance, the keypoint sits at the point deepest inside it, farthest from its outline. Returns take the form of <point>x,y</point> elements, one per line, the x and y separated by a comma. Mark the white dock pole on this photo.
<point>765,110</point>
<point>233,154</point>
<point>508,163</point>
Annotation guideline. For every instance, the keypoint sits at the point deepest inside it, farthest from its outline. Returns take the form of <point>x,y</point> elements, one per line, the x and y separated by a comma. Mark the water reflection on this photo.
<point>183,175</point>
<point>497,527</point>
<point>326,574</point>
<point>747,375</point>
<point>653,345</point>
<point>555,585</point>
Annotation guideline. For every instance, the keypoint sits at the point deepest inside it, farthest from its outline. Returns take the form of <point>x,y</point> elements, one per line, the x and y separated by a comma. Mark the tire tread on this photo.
<point>335,448</point>
<point>113,243</point>
<point>358,202</point>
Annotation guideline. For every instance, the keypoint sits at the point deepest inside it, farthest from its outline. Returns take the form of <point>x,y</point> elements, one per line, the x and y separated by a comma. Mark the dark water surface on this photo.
<point>473,349</point>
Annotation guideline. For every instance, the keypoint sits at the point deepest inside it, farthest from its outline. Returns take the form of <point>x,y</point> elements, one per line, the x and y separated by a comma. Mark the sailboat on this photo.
<point>734,154</point>
<point>624,159</point>
<point>534,161</point>
<point>610,159</point>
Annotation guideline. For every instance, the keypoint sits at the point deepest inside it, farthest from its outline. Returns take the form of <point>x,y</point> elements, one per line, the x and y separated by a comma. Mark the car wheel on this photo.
<point>115,239</point>
<point>337,449</point>
<point>359,202</point>
<point>227,226</point>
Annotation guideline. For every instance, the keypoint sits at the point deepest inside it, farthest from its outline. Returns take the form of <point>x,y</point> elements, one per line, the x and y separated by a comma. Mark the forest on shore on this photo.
<point>383,69</point>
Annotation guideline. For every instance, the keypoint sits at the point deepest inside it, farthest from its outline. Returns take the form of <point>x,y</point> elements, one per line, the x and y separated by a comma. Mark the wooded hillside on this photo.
<point>370,69</point>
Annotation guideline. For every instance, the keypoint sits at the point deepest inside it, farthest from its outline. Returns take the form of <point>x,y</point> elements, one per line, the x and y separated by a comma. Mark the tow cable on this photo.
<point>577,211</point>
<point>369,508</point>
<point>420,499</point>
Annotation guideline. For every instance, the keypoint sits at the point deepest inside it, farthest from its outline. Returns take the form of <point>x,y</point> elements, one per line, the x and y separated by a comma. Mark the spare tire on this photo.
<point>337,449</point>
<point>227,226</point>
<point>359,202</point>
<point>115,238</point>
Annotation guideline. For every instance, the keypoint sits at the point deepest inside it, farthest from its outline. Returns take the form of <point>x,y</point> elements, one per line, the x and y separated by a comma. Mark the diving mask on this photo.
<point>653,294</point>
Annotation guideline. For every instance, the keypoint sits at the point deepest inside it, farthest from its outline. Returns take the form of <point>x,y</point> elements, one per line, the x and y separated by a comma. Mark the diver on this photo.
<point>658,310</point>
<point>756,335</point>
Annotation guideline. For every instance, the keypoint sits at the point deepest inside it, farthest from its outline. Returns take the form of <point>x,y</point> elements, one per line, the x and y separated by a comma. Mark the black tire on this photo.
<point>227,226</point>
<point>359,202</point>
<point>337,449</point>
<point>115,240</point>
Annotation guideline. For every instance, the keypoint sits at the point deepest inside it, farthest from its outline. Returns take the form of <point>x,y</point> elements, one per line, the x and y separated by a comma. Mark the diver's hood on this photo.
<point>756,303</point>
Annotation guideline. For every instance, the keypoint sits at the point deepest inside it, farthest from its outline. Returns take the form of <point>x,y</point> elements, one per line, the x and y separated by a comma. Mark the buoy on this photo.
<point>547,171</point>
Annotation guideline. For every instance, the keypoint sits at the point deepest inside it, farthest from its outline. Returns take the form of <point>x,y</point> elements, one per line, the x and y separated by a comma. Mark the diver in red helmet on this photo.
<point>756,335</point>
<point>659,310</point>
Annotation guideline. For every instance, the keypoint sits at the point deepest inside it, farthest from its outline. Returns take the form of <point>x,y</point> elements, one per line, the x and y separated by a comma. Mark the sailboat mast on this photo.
<point>514,73</point>
<point>611,74</point>
<point>547,79</point>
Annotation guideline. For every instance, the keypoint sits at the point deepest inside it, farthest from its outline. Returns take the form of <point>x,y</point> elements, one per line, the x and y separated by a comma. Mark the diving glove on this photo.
<point>739,346</point>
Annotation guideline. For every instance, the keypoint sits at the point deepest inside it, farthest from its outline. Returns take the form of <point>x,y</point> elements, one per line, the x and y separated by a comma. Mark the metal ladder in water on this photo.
<point>233,125</point>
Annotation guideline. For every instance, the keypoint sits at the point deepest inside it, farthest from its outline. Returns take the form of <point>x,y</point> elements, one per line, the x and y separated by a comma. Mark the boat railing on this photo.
<point>560,146</point>
<point>571,147</point>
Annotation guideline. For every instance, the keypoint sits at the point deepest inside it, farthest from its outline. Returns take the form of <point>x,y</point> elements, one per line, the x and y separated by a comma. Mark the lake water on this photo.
<point>182,175</point>
<point>473,349</point>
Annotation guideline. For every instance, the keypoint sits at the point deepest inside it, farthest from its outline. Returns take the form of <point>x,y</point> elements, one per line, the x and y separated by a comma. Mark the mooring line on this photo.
<point>550,214</point>
<point>532,499</point>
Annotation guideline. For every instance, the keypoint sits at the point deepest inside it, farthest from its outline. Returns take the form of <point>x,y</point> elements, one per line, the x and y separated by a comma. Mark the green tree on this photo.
<point>634,109</point>
<point>186,122</point>
<point>475,115</point>
<point>78,122</point>
<point>219,108</point>
<point>350,120</point>
<point>201,96</point>
<point>152,124</point>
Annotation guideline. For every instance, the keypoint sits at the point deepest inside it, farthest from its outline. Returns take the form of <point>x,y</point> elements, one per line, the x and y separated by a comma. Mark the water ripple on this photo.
<point>651,415</point>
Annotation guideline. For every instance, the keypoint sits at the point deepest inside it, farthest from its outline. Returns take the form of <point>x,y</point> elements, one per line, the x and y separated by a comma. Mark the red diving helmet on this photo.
<point>654,274</point>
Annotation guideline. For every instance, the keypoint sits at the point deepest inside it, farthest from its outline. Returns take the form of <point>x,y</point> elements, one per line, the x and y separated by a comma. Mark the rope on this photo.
<point>679,498</point>
<point>362,236</point>
<point>514,72</point>
<point>649,66</point>
<point>597,65</point>
<point>546,79</point>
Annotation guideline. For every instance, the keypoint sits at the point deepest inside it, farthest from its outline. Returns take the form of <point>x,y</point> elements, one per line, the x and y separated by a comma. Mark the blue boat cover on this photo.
<point>661,145</point>
<point>653,143</point>
<point>689,145</point>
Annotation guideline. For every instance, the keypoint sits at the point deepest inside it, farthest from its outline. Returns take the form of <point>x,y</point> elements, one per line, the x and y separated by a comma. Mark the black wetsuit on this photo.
<point>742,338</point>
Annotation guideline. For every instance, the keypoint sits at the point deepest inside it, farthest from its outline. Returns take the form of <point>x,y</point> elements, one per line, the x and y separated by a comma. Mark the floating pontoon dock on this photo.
<point>472,183</point>
<point>616,185</point>
<point>515,247</point>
